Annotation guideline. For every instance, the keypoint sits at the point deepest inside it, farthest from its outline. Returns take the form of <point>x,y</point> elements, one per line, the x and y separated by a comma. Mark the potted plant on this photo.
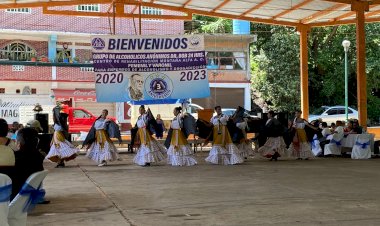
<point>33,57</point>
<point>44,59</point>
<point>76,59</point>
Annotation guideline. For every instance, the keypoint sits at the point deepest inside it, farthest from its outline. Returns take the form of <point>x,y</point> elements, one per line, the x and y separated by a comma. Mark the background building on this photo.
<point>28,38</point>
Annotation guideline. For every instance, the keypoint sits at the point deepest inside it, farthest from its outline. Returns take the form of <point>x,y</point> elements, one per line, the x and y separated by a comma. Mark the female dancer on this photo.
<point>222,146</point>
<point>179,152</point>
<point>101,148</point>
<point>245,145</point>
<point>61,150</point>
<point>150,150</point>
<point>300,147</point>
<point>275,146</point>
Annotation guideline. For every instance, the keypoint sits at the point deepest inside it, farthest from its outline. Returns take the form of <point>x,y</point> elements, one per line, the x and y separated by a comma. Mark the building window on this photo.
<point>34,91</point>
<point>18,91</point>
<point>17,51</point>
<point>89,8</point>
<point>2,90</point>
<point>151,11</point>
<point>19,10</point>
<point>226,60</point>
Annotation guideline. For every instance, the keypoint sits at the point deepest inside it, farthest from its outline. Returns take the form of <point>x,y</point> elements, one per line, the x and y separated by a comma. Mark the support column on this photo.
<point>52,47</point>
<point>247,97</point>
<point>303,30</point>
<point>360,8</point>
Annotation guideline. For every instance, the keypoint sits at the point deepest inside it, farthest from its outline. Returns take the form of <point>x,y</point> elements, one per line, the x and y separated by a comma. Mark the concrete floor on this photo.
<point>333,191</point>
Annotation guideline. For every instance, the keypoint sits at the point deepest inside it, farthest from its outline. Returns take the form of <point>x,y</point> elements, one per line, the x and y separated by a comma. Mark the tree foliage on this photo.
<point>275,64</point>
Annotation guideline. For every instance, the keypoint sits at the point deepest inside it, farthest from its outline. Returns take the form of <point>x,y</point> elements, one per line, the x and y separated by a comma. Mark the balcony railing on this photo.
<point>48,64</point>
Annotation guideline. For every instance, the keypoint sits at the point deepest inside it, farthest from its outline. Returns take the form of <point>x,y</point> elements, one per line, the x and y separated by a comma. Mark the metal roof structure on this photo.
<point>302,14</point>
<point>281,12</point>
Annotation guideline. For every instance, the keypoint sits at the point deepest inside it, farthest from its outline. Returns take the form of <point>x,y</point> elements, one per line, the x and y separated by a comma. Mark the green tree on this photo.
<point>275,70</point>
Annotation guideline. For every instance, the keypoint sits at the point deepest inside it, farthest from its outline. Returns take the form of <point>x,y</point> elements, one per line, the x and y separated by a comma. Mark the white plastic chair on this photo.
<point>17,216</point>
<point>315,146</point>
<point>335,146</point>
<point>362,147</point>
<point>5,195</point>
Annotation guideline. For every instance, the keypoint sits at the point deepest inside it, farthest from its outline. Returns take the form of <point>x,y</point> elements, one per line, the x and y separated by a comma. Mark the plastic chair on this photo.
<point>315,146</point>
<point>5,195</point>
<point>29,195</point>
<point>335,146</point>
<point>361,149</point>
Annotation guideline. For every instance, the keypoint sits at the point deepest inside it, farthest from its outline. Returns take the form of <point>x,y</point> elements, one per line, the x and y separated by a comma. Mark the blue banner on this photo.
<point>149,68</point>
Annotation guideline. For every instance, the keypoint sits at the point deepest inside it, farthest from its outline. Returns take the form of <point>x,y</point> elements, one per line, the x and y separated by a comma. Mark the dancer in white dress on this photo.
<point>300,146</point>
<point>179,152</point>
<point>275,146</point>
<point>101,148</point>
<point>245,145</point>
<point>61,149</point>
<point>149,149</point>
<point>223,150</point>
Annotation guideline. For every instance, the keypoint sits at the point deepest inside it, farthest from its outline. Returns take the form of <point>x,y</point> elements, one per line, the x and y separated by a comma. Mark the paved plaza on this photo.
<point>333,191</point>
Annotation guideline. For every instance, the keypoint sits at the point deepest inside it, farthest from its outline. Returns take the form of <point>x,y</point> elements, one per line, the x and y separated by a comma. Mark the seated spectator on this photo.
<point>28,159</point>
<point>332,127</point>
<point>12,130</point>
<point>7,156</point>
<point>356,129</point>
<point>35,124</point>
<point>348,128</point>
<point>20,126</point>
<point>325,130</point>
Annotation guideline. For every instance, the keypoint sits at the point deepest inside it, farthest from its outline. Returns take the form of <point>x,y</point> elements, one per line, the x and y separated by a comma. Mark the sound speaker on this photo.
<point>44,121</point>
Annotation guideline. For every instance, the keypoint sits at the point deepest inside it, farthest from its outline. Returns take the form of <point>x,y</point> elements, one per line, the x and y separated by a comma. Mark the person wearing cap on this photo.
<point>61,149</point>
<point>34,124</point>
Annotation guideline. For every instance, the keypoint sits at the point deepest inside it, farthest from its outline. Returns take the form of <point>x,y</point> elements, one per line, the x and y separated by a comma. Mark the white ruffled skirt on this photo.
<point>183,155</point>
<point>228,155</point>
<point>245,149</point>
<point>303,152</point>
<point>62,151</point>
<point>153,152</point>
<point>272,145</point>
<point>99,154</point>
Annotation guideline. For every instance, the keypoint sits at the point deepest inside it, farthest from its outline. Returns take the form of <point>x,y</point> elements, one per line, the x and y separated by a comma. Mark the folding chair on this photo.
<point>335,145</point>
<point>29,195</point>
<point>315,146</point>
<point>361,149</point>
<point>5,195</point>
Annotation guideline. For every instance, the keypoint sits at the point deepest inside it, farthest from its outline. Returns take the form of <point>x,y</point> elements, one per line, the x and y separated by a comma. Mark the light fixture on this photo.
<point>346,44</point>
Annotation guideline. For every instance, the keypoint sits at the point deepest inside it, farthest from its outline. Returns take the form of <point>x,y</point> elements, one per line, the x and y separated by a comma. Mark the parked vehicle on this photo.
<point>330,114</point>
<point>79,119</point>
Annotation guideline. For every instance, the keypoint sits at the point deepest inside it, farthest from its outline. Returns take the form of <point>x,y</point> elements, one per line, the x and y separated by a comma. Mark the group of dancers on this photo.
<point>225,150</point>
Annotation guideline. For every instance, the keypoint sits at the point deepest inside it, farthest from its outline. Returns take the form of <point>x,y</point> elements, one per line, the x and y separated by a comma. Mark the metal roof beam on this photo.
<point>186,3</point>
<point>220,5</point>
<point>305,2</point>
<point>323,13</point>
<point>343,22</point>
<point>256,7</point>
